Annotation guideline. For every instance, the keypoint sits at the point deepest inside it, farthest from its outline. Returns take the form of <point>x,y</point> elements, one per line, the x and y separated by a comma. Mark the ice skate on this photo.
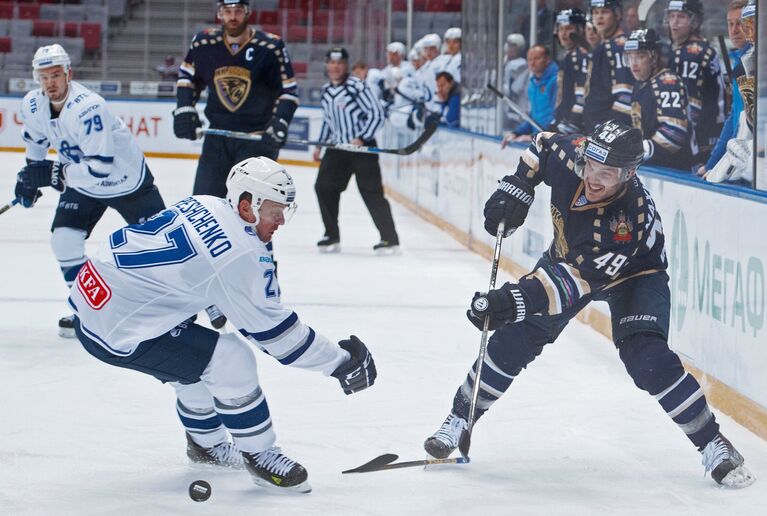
<point>442,443</point>
<point>217,318</point>
<point>270,468</point>
<point>329,245</point>
<point>223,454</point>
<point>726,464</point>
<point>67,327</point>
<point>386,248</point>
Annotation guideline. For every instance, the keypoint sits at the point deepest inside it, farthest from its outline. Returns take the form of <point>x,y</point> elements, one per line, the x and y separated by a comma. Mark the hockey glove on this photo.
<point>277,132</point>
<point>359,372</point>
<point>186,121</point>
<point>502,305</point>
<point>27,197</point>
<point>510,202</point>
<point>38,174</point>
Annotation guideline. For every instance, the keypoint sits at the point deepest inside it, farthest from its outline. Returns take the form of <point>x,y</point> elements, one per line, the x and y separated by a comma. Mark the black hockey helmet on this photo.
<point>337,54</point>
<point>643,39</point>
<point>571,17</point>
<point>688,6</point>
<point>224,3</point>
<point>610,4</point>
<point>615,144</point>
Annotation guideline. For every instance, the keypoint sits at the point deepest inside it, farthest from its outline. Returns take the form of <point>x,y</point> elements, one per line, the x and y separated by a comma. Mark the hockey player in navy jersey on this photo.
<point>608,245</point>
<point>99,164</point>
<point>133,301</point>
<point>608,94</point>
<point>573,72</point>
<point>658,103</point>
<point>251,88</point>
<point>696,62</point>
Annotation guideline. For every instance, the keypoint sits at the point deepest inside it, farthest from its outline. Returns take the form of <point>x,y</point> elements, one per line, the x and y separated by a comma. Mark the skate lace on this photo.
<point>227,453</point>
<point>450,431</point>
<point>715,453</point>
<point>274,461</point>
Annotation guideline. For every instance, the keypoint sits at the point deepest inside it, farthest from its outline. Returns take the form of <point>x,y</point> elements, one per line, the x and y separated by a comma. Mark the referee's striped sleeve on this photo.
<point>374,111</point>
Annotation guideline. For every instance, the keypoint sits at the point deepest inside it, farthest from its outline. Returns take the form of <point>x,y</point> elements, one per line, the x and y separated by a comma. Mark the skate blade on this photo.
<point>330,249</point>
<point>738,478</point>
<point>303,488</point>
<point>67,333</point>
<point>388,251</point>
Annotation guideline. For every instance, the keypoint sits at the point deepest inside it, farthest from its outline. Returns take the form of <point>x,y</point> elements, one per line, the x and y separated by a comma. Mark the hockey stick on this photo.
<point>514,107</point>
<point>8,206</point>
<point>725,57</point>
<point>386,461</point>
<point>428,130</point>
<point>643,9</point>
<point>465,441</point>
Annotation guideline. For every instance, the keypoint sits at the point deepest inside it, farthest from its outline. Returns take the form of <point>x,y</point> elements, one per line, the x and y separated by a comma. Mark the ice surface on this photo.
<point>572,436</point>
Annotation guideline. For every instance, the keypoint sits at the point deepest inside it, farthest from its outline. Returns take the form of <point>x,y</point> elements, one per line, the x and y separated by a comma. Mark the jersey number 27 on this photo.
<point>177,247</point>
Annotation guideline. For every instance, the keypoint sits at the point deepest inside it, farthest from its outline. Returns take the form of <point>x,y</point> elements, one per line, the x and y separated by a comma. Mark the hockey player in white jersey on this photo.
<point>99,163</point>
<point>450,61</point>
<point>133,301</point>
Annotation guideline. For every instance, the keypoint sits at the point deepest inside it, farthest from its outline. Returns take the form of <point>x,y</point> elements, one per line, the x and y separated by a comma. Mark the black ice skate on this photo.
<point>442,443</point>
<point>329,245</point>
<point>270,468</point>
<point>386,248</point>
<point>217,318</point>
<point>726,464</point>
<point>67,327</point>
<point>224,454</point>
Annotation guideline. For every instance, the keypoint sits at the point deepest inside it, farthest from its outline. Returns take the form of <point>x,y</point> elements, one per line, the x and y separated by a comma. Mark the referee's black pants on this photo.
<point>336,168</point>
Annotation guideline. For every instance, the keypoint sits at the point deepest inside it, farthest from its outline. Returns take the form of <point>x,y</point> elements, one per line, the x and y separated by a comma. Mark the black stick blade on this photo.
<point>374,464</point>
<point>429,129</point>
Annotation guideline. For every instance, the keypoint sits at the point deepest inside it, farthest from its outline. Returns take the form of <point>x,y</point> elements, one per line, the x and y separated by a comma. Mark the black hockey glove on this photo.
<point>38,174</point>
<point>505,304</point>
<point>27,197</point>
<point>510,202</point>
<point>186,121</point>
<point>277,132</point>
<point>359,372</point>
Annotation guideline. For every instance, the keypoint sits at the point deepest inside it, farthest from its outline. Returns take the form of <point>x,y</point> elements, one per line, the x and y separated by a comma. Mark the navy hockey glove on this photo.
<point>505,304</point>
<point>359,372</point>
<point>277,132</point>
<point>27,197</point>
<point>38,174</point>
<point>186,121</point>
<point>510,202</point>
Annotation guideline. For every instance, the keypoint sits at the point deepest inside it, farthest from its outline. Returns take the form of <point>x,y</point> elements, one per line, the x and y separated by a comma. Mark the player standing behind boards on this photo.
<point>134,298</point>
<point>99,163</point>
<point>696,62</point>
<point>608,94</point>
<point>658,103</point>
<point>573,71</point>
<point>251,88</point>
<point>350,114</point>
<point>608,245</point>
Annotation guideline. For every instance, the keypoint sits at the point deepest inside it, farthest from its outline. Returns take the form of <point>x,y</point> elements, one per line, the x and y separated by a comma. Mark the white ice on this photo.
<point>572,436</point>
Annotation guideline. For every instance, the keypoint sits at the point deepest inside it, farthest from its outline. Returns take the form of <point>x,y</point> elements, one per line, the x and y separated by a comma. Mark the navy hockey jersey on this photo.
<point>608,96</point>
<point>571,88</point>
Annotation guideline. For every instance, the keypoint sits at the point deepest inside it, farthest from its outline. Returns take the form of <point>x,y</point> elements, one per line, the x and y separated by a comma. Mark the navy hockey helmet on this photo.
<point>689,6</point>
<point>337,54</point>
<point>571,17</point>
<point>610,4</point>
<point>643,39</point>
<point>613,144</point>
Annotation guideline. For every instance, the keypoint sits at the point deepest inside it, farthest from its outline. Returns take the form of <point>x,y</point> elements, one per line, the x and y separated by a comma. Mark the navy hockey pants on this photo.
<point>219,155</point>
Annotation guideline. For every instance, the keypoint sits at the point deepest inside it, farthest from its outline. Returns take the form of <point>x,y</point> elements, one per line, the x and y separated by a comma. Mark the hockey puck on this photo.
<point>199,490</point>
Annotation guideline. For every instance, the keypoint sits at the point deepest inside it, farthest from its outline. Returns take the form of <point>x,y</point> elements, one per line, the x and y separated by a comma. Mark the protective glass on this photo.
<point>602,175</point>
<point>276,213</point>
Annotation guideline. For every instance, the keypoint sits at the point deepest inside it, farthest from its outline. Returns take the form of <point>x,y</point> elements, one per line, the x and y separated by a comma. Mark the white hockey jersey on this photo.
<point>151,277</point>
<point>449,63</point>
<point>103,157</point>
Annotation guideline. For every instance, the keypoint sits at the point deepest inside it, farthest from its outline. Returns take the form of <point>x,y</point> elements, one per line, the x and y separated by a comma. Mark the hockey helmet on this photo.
<point>692,7</point>
<point>396,47</point>
<point>227,3</point>
<point>643,39</point>
<point>453,33</point>
<point>571,17</point>
<point>264,179</point>
<point>432,40</point>
<point>610,4</point>
<point>749,11</point>
<point>337,54</point>
<point>48,57</point>
<point>613,144</point>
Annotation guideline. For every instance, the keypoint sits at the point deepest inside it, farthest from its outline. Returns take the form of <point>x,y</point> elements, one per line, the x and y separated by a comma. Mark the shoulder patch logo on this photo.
<point>694,48</point>
<point>621,229</point>
<point>668,78</point>
<point>582,201</point>
<point>232,86</point>
<point>93,288</point>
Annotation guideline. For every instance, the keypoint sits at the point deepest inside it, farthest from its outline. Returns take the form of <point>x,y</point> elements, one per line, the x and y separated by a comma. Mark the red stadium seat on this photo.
<point>320,18</point>
<point>297,33</point>
<point>319,34</point>
<point>29,11</point>
<point>253,17</point>
<point>44,28</point>
<point>399,5</point>
<point>300,68</point>
<point>268,18</point>
<point>338,35</point>
<point>5,45</point>
<point>71,29</point>
<point>91,33</point>
<point>295,17</point>
<point>6,10</point>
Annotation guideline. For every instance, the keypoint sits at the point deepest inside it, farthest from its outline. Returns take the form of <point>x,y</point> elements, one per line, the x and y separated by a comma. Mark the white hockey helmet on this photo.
<point>48,57</point>
<point>453,33</point>
<point>432,40</point>
<point>396,47</point>
<point>263,179</point>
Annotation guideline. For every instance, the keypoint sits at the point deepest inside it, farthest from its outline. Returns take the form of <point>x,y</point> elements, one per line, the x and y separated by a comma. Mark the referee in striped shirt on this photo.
<point>350,114</point>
